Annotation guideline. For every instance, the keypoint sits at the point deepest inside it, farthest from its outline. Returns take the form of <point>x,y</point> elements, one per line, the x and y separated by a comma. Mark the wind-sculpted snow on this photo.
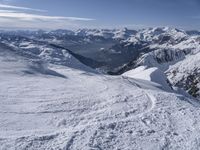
<point>154,75</point>
<point>84,110</point>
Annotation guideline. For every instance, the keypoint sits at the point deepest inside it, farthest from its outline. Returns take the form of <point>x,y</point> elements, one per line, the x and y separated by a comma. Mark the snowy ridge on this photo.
<point>154,75</point>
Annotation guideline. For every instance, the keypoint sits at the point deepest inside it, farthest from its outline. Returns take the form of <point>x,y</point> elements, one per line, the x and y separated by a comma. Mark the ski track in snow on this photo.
<point>151,98</point>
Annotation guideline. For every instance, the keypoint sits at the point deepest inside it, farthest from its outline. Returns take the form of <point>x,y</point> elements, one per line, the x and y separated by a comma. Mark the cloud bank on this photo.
<point>31,18</point>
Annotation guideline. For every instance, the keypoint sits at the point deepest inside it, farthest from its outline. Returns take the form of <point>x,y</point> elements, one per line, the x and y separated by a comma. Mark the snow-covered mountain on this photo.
<point>174,51</point>
<point>45,51</point>
<point>57,106</point>
<point>118,50</point>
<point>51,98</point>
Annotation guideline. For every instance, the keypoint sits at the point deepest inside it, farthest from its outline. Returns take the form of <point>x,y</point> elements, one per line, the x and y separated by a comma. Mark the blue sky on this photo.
<point>72,14</point>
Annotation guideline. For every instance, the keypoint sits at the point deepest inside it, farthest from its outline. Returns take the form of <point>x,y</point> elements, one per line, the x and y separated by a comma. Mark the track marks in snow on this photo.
<point>153,100</point>
<point>150,96</point>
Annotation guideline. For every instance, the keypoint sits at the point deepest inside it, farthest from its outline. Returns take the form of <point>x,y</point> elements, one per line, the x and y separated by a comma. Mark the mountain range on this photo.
<point>100,89</point>
<point>174,51</point>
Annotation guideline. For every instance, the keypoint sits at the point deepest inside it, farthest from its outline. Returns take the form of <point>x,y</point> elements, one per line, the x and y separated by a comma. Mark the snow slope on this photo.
<point>153,75</point>
<point>76,109</point>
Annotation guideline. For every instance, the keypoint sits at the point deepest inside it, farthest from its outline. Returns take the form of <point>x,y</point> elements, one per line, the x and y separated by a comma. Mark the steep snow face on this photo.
<point>186,74</point>
<point>83,110</point>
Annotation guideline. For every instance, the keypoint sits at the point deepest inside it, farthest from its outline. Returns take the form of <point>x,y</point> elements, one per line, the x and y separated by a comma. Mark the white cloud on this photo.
<point>20,8</point>
<point>28,16</point>
<point>7,11</point>
<point>7,23</point>
<point>21,17</point>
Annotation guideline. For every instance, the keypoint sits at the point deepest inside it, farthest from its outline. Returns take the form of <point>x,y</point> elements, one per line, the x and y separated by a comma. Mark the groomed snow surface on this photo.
<point>57,107</point>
